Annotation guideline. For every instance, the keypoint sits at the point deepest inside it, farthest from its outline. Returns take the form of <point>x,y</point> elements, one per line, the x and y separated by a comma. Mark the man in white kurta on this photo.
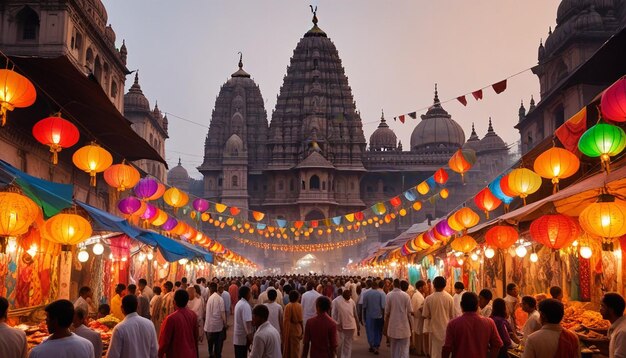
<point>417,304</point>
<point>398,320</point>
<point>612,309</point>
<point>308,302</point>
<point>134,336</point>
<point>344,313</point>
<point>459,290</point>
<point>438,311</point>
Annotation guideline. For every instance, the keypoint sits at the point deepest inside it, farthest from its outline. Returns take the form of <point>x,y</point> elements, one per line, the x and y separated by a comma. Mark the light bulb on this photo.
<point>150,256</point>
<point>460,261</point>
<point>141,257</point>
<point>585,252</point>
<point>98,249</point>
<point>474,257</point>
<point>155,264</point>
<point>124,259</point>
<point>11,245</point>
<point>534,257</point>
<point>83,255</point>
<point>575,243</point>
<point>490,253</point>
<point>458,254</point>
<point>32,251</point>
<point>521,251</point>
<point>183,261</point>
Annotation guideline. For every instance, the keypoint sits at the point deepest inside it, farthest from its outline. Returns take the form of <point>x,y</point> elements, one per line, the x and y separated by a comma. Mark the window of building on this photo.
<point>78,43</point>
<point>113,89</point>
<point>220,182</point>
<point>370,189</point>
<point>281,185</point>
<point>292,185</point>
<point>97,69</point>
<point>27,24</point>
<point>235,181</point>
<point>314,182</point>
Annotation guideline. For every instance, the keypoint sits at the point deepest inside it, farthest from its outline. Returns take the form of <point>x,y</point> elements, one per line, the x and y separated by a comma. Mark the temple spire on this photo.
<point>179,162</point>
<point>240,60</point>
<point>314,11</point>
<point>490,129</point>
<point>436,99</point>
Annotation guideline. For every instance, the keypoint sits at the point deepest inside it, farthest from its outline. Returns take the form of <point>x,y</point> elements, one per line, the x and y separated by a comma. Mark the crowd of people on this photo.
<point>311,316</point>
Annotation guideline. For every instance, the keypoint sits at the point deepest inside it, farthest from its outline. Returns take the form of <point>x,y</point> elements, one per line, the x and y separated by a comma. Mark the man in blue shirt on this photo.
<point>373,309</point>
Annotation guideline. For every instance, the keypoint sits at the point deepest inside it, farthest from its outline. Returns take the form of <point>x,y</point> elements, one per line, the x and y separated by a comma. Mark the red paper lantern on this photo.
<point>613,102</point>
<point>441,176</point>
<point>486,201</point>
<point>395,201</point>
<point>504,186</point>
<point>554,231</point>
<point>501,236</point>
<point>57,133</point>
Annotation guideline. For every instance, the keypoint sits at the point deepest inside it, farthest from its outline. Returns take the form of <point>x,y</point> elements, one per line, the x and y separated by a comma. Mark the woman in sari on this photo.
<point>292,326</point>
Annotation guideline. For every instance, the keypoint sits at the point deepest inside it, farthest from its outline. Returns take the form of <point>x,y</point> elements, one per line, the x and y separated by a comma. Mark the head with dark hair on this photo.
<point>157,290</point>
<point>132,289</point>
<point>404,285</point>
<point>119,289</point>
<point>368,283</point>
<point>469,302</point>
<point>556,292</point>
<point>484,297</point>
<point>79,317</point>
<point>498,308</point>
<point>310,285</point>
<point>142,283</point>
<point>129,304</point>
<point>212,287</point>
<point>198,290</point>
<point>381,284</point>
<point>260,313</point>
<point>459,287</point>
<point>293,296</point>
<point>181,297</point>
<point>511,289</point>
<point>272,294</point>
<point>396,283</point>
<point>84,292</point>
<point>104,310</point>
<point>168,286</point>
<point>612,306</point>
<point>551,311</point>
<point>183,280</point>
<point>60,315</point>
<point>177,284</point>
<point>322,304</point>
<point>245,293</point>
<point>199,280</point>
<point>529,304</point>
<point>4,308</point>
<point>287,288</point>
<point>420,285</point>
<point>439,283</point>
<point>220,288</point>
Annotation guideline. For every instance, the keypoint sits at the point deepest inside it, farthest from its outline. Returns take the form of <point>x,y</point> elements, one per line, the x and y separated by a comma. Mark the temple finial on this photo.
<point>436,100</point>
<point>314,11</point>
<point>240,60</point>
<point>179,162</point>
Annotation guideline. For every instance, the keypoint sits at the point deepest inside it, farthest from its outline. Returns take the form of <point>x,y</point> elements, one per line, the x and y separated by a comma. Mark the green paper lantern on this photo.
<point>602,140</point>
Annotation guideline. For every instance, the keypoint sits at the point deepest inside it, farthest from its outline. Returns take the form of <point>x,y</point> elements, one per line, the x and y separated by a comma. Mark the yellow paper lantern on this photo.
<point>121,176</point>
<point>444,193</point>
<point>524,182</point>
<point>423,188</point>
<point>92,159</point>
<point>16,91</point>
<point>454,224</point>
<point>467,217</point>
<point>68,229</point>
<point>464,244</point>
<point>175,197</point>
<point>160,218</point>
<point>417,206</point>
<point>605,218</point>
<point>17,213</point>
<point>555,164</point>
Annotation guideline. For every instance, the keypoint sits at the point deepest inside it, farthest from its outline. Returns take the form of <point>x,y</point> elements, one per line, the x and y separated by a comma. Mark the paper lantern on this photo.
<point>220,207</point>
<point>146,187</point>
<point>437,235</point>
<point>395,201</point>
<point>444,193</point>
<point>175,197</point>
<point>169,224</point>
<point>613,102</point>
<point>554,231</point>
<point>16,91</point>
<point>150,212</point>
<point>428,238</point>
<point>17,214</point>
<point>524,182</point>
<point>419,242</point>
<point>462,161</point>
<point>496,189</point>
<point>602,140</point>
<point>506,188</point>
<point>423,188</point>
<point>57,133</point>
<point>466,217</point>
<point>464,244</point>
<point>92,159</point>
<point>129,205</point>
<point>200,204</point>
<point>417,206</point>
<point>159,192</point>
<point>160,218</point>
<point>486,201</point>
<point>555,164</point>
<point>234,211</point>
<point>444,229</point>
<point>605,218</point>
<point>257,215</point>
<point>121,176</point>
<point>68,229</point>
<point>441,176</point>
<point>501,236</point>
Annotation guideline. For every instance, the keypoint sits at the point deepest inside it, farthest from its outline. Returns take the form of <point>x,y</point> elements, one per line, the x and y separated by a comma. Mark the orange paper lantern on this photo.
<point>175,197</point>
<point>501,236</point>
<point>466,217</point>
<point>486,201</point>
<point>68,229</point>
<point>16,91</point>
<point>524,182</point>
<point>17,214</point>
<point>464,244</point>
<point>92,159</point>
<point>555,164</point>
<point>121,176</point>
<point>462,161</point>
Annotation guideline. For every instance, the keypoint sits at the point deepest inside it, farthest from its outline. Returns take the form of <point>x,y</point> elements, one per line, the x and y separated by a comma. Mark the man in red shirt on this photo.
<point>233,291</point>
<point>179,332</point>
<point>471,335</point>
<point>320,332</point>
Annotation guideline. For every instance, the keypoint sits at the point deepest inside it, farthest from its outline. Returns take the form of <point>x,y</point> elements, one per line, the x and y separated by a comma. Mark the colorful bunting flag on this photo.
<point>478,94</point>
<point>401,118</point>
<point>499,87</point>
<point>413,115</point>
<point>462,99</point>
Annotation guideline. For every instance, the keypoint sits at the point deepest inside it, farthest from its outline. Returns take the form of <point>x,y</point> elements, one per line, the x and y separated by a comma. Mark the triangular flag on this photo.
<point>413,115</point>
<point>462,99</point>
<point>395,119</point>
<point>401,118</point>
<point>499,87</point>
<point>478,94</point>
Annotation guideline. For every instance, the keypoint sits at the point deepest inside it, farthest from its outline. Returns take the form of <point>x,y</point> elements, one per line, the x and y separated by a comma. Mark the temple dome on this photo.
<point>491,141</point>
<point>135,100</point>
<point>177,173</point>
<point>437,130</point>
<point>473,141</point>
<point>383,137</point>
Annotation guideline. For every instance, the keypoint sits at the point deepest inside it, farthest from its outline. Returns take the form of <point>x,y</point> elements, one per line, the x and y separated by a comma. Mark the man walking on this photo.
<point>215,321</point>
<point>80,317</point>
<point>242,330</point>
<point>308,301</point>
<point>344,313</point>
<point>373,309</point>
<point>320,332</point>
<point>417,304</point>
<point>438,311</point>
<point>179,335</point>
<point>134,336</point>
<point>275,317</point>
<point>612,309</point>
<point>266,341</point>
<point>398,320</point>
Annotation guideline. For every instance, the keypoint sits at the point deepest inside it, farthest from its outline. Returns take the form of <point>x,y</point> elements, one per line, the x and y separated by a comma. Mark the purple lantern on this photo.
<point>150,212</point>
<point>444,229</point>
<point>201,205</point>
<point>129,205</point>
<point>146,188</point>
<point>169,224</point>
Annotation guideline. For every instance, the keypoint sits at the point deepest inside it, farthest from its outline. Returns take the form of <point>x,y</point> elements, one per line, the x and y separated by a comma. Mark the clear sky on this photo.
<point>393,52</point>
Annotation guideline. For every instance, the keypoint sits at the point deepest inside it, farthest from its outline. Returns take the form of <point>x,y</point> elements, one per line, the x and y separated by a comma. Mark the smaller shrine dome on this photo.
<point>177,173</point>
<point>473,142</point>
<point>135,100</point>
<point>383,137</point>
<point>491,141</point>
<point>233,146</point>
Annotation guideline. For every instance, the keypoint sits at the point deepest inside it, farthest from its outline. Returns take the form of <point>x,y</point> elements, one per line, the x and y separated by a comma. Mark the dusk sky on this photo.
<point>393,52</point>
